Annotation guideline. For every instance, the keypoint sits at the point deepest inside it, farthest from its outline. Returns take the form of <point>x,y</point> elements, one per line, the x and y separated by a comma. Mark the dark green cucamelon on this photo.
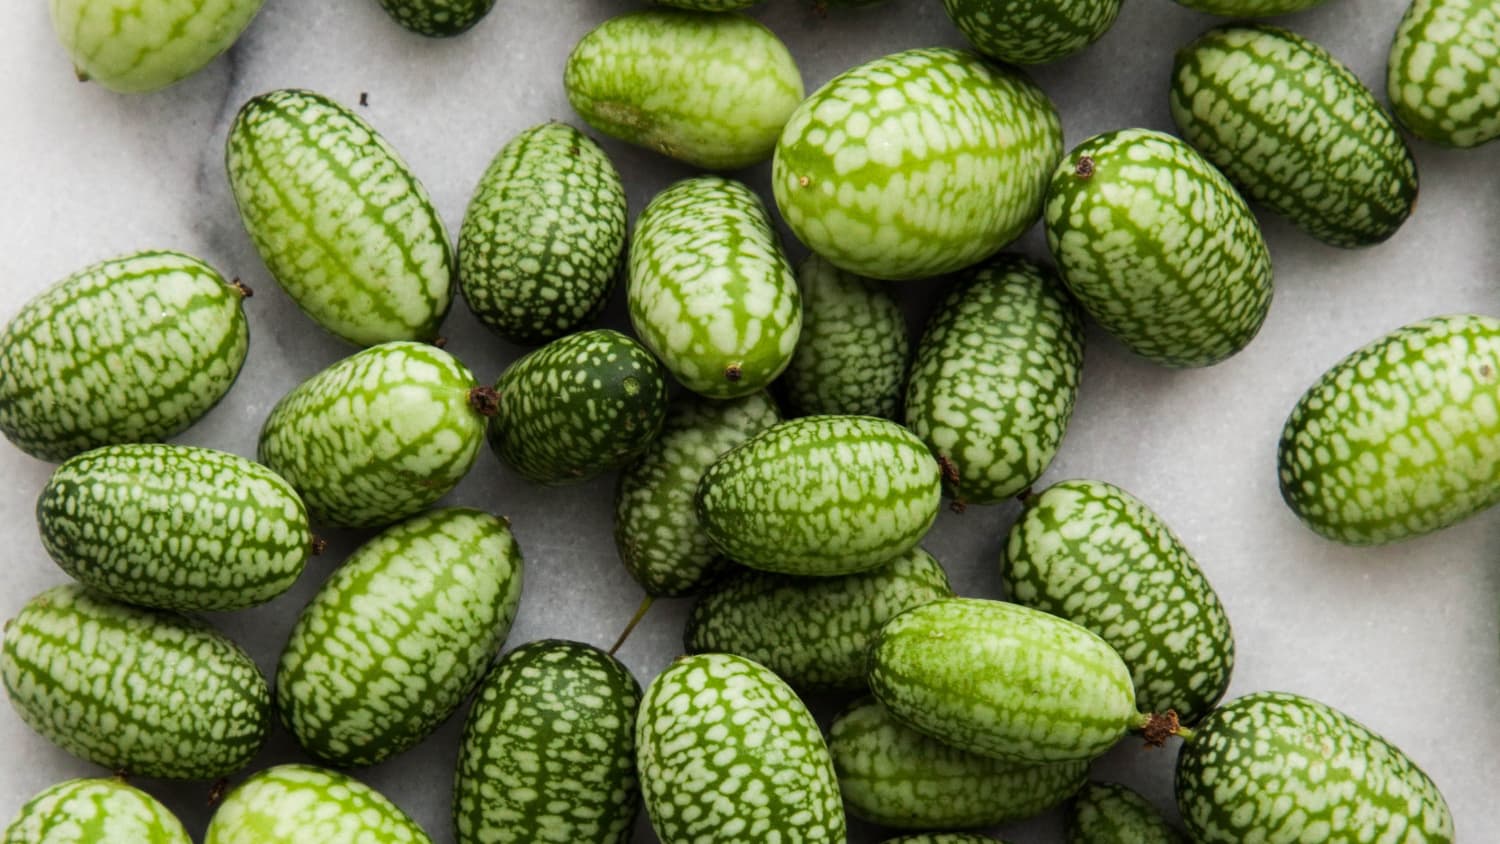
<point>437,18</point>
<point>147,692</point>
<point>1106,813</point>
<point>1443,71</point>
<point>303,804</point>
<point>398,636</point>
<point>1032,31</point>
<point>94,811</point>
<point>1250,8</point>
<point>548,750</point>
<point>136,46</point>
<point>132,349</point>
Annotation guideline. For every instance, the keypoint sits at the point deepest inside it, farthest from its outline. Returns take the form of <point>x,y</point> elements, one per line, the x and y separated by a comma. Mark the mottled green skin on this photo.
<point>1250,8</point>
<point>94,811</point>
<point>728,753</point>
<point>135,46</point>
<point>1105,813</point>
<point>1400,438</point>
<point>1032,31</point>
<point>821,496</point>
<point>916,164</point>
<point>712,89</point>
<point>544,235</point>
<point>548,750</point>
<point>1272,766</point>
<point>1443,72</point>
<point>132,349</point>
<point>1296,131</point>
<point>895,776</point>
<point>813,632</point>
<point>303,804</point>
<point>995,379</point>
<point>656,520</point>
<point>147,692</point>
<point>1096,555</point>
<point>398,636</point>
<point>377,436</point>
<point>1003,680</point>
<point>1158,247</point>
<point>438,18</point>
<point>340,220</point>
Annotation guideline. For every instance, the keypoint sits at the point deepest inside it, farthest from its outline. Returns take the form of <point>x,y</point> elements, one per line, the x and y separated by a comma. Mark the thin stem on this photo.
<point>640,613</point>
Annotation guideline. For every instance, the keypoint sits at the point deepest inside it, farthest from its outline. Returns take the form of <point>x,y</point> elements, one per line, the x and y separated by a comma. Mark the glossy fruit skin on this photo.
<point>548,751</point>
<point>137,46</point>
<point>132,349</point>
<point>339,218</point>
<point>1443,72</point>
<point>1273,766</point>
<point>94,811</point>
<point>195,704</point>
<point>1033,31</point>
<point>1250,8</point>
<point>304,804</point>
<point>437,18</point>
<point>1106,813</point>
<point>916,164</point>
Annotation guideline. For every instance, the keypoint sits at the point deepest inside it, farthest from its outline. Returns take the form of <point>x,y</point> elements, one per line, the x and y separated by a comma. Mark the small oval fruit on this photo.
<point>437,18</point>
<point>1033,31</point>
<point>94,811</point>
<point>1443,71</point>
<point>303,804</point>
<point>1106,813</point>
<point>164,42</point>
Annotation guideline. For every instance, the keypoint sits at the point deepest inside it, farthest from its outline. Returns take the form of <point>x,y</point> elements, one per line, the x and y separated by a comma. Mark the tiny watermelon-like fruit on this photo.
<point>1250,8</point>
<point>1032,31</point>
<point>1107,813</point>
<point>138,46</point>
<point>437,18</point>
<point>1443,72</point>
<point>94,811</point>
<point>303,804</point>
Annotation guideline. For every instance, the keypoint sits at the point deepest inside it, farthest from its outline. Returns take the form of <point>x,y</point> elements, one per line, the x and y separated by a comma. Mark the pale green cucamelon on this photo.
<point>94,811</point>
<point>303,804</point>
<point>438,18</point>
<point>135,46</point>
<point>1032,31</point>
<point>1443,72</point>
<point>1106,813</point>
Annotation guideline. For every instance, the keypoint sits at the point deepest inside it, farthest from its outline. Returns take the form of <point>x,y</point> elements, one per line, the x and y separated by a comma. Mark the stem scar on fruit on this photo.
<point>733,372</point>
<point>1084,168</point>
<point>803,181</point>
<point>485,401</point>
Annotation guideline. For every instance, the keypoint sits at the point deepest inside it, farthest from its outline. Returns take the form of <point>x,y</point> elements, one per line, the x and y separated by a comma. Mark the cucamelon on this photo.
<point>437,18</point>
<point>1032,31</point>
<point>1443,72</point>
<point>136,46</point>
<point>303,804</point>
<point>1106,813</point>
<point>94,811</point>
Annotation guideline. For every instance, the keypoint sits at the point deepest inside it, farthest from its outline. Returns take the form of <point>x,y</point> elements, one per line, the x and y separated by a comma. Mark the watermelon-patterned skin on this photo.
<point>710,290</point>
<point>1158,247</point>
<point>1443,72</point>
<point>656,521</point>
<point>437,18</point>
<point>812,631</point>
<point>548,751</point>
<point>916,164</point>
<point>579,406</point>
<point>712,89</point>
<point>136,46</point>
<point>398,636</point>
<point>1033,31</point>
<point>544,236</point>
<point>995,379</point>
<point>897,777</point>
<point>340,220</point>
<point>1273,766</point>
<point>379,435</point>
<point>147,692</point>
<point>1107,813</point>
<point>304,804</point>
<point>1334,163</point>
<point>94,811</point>
<point>1250,8</point>
<point>1096,555</point>
<point>1400,438</point>
<point>728,753</point>
<point>821,496</point>
<point>132,349</point>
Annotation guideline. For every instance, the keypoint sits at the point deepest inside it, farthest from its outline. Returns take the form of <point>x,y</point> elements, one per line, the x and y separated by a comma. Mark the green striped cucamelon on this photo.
<point>1158,248</point>
<point>728,753</point>
<point>1106,813</point>
<point>303,804</point>
<point>1295,130</point>
<point>1398,439</point>
<point>1096,555</point>
<point>544,235</point>
<point>379,435</point>
<point>1249,8</point>
<point>1273,766</point>
<point>712,89</point>
<point>916,164</point>
<point>995,379</point>
<point>1443,72</point>
<point>578,407</point>
<point>136,46</point>
<point>437,18</point>
<point>821,495</point>
<point>812,631</point>
<point>339,219</point>
<point>709,289</point>
<point>1033,31</point>
<point>132,349</point>
<point>398,636</point>
<point>548,750</point>
<point>656,522</point>
<point>895,776</point>
<point>174,526</point>
<point>94,811</point>
<point>147,692</point>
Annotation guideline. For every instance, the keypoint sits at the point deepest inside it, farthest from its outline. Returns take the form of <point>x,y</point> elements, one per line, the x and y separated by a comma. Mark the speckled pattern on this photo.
<point>897,777</point>
<point>916,164</point>
<point>1443,73</point>
<point>1032,31</point>
<point>1271,767</point>
<point>302,804</point>
<point>132,349</point>
<point>1106,813</point>
<point>728,753</point>
<point>995,379</point>
<point>340,220</point>
<point>94,811</point>
<point>1158,247</point>
<point>1400,438</point>
<point>398,636</point>
<point>438,18</point>
<point>1250,8</point>
<point>134,46</point>
<point>548,752</point>
<point>148,692</point>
